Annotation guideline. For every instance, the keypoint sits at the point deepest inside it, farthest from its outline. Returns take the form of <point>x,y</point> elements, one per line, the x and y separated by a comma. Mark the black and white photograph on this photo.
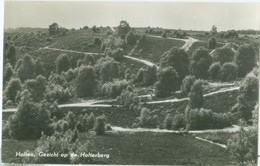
<point>130,83</point>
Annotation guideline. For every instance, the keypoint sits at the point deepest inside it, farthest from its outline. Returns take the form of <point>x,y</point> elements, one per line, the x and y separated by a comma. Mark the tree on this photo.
<point>132,37</point>
<point>212,43</point>
<point>12,88</point>
<point>223,55</point>
<point>109,70</point>
<point>86,82</point>
<point>228,72</point>
<point>243,146</point>
<point>62,63</point>
<point>30,120</point>
<point>245,59</point>
<point>36,87</point>
<point>88,60</point>
<point>149,77</point>
<point>196,95</point>
<point>54,29</point>
<point>123,29</point>
<point>213,30</point>
<point>38,68</point>
<point>200,62</point>
<point>187,82</point>
<point>25,70</point>
<point>214,70</point>
<point>178,59</point>
<point>100,125</point>
<point>8,73</point>
<point>11,55</point>
<point>168,81</point>
<point>248,96</point>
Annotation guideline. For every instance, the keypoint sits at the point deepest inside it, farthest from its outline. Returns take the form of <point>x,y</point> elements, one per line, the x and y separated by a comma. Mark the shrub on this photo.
<point>12,88</point>
<point>36,87</point>
<point>11,55</point>
<point>108,69</point>
<point>123,29</point>
<point>147,76</point>
<point>223,55</point>
<point>71,119</point>
<point>214,70</point>
<point>30,120</point>
<point>168,81</point>
<point>200,119</point>
<point>200,62</point>
<point>245,59</point>
<point>228,72</point>
<point>179,121</point>
<point>248,96</point>
<point>212,43</point>
<point>146,120</point>
<point>178,59</point>
<point>117,54</point>
<point>91,121</point>
<point>100,125</point>
<point>242,146</point>
<point>56,142</point>
<point>25,70</point>
<point>128,99</point>
<point>8,73</point>
<point>196,95</point>
<point>62,63</point>
<point>57,93</point>
<point>86,82</point>
<point>187,83</point>
<point>97,41</point>
<point>132,37</point>
<point>113,89</point>
<point>168,122</point>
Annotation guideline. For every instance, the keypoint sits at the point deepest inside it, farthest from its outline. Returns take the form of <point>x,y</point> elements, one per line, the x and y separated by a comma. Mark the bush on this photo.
<point>147,76</point>
<point>97,41</point>
<point>86,82</point>
<point>179,121</point>
<point>12,88</point>
<point>56,142</point>
<point>117,54</point>
<point>200,119</point>
<point>146,120</point>
<point>30,120</point>
<point>62,63</point>
<point>168,81</point>
<point>36,87</point>
<point>228,72</point>
<point>168,122</point>
<point>8,73</point>
<point>223,55</point>
<point>100,125</point>
<point>196,95</point>
<point>178,59</point>
<point>25,70</point>
<point>245,59</point>
<point>108,69</point>
<point>128,99</point>
<point>248,96</point>
<point>212,43</point>
<point>242,146</point>
<point>187,83</point>
<point>57,93</point>
<point>214,70</point>
<point>113,89</point>
<point>200,62</point>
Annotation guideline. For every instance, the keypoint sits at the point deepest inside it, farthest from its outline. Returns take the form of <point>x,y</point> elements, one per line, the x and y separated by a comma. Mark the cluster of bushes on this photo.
<point>146,77</point>
<point>228,34</point>
<point>197,119</point>
<point>117,54</point>
<point>145,120</point>
<point>113,89</point>
<point>129,99</point>
<point>132,37</point>
<point>225,72</point>
<point>168,82</point>
<point>55,29</point>
<point>248,96</point>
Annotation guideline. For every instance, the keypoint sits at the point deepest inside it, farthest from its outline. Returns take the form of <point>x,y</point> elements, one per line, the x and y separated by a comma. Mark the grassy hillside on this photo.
<point>141,148</point>
<point>152,48</point>
<point>80,40</point>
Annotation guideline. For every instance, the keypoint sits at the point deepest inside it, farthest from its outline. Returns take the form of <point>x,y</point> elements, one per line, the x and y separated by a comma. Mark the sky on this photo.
<point>174,15</point>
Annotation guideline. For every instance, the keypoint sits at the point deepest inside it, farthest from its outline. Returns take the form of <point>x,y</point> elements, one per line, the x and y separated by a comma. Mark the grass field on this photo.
<point>141,148</point>
<point>80,40</point>
<point>152,48</point>
<point>219,137</point>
